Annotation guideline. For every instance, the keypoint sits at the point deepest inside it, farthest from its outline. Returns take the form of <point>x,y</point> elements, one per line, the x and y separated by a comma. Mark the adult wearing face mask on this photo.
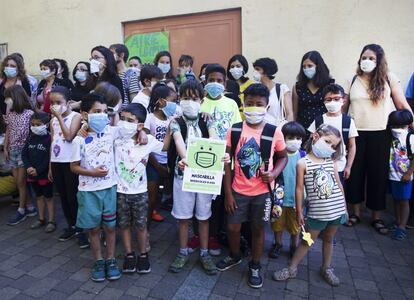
<point>237,69</point>
<point>103,68</point>
<point>48,71</point>
<point>83,84</point>
<point>63,72</point>
<point>280,99</point>
<point>12,72</point>
<point>373,94</point>
<point>163,61</point>
<point>307,93</point>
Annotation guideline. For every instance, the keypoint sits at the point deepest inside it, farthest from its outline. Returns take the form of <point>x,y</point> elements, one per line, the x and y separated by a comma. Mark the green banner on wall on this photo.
<point>147,45</point>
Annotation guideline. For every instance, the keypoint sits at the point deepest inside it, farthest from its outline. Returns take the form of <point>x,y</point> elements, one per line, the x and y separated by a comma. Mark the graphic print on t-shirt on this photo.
<point>221,122</point>
<point>399,161</point>
<point>323,183</point>
<point>249,158</point>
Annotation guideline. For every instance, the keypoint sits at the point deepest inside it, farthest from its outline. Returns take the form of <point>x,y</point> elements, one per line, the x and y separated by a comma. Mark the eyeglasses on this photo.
<point>96,57</point>
<point>332,99</point>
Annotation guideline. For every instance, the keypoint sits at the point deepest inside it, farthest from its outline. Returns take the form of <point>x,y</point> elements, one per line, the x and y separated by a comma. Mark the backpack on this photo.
<point>172,149</point>
<point>346,124</point>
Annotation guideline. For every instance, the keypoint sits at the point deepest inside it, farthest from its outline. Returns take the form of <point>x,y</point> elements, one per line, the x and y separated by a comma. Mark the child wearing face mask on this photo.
<point>65,124</point>
<point>185,70</point>
<point>294,134</point>
<point>333,98</point>
<point>132,197</point>
<point>401,168</point>
<point>318,173</point>
<point>150,76</point>
<point>35,156</point>
<point>162,108</point>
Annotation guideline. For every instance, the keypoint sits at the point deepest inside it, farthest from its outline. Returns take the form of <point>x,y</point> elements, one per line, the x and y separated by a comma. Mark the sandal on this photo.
<point>379,226</point>
<point>352,221</point>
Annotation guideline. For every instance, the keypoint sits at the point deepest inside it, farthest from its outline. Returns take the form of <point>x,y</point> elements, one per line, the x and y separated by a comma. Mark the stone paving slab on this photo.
<point>35,265</point>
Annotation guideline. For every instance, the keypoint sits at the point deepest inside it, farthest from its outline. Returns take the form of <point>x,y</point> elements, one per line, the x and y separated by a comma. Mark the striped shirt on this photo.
<point>325,198</point>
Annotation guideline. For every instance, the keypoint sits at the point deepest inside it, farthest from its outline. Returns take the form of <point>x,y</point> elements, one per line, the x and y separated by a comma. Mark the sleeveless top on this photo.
<point>309,105</point>
<point>61,150</point>
<point>326,201</point>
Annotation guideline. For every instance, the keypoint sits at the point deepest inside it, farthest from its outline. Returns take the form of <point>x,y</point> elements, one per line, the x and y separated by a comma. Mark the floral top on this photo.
<point>19,128</point>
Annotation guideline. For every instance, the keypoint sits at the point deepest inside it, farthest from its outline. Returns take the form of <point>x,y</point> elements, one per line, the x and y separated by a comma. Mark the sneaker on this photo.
<point>208,265</point>
<point>330,277</point>
<point>16,219</point>
<point>285,274</point>
<point>38,224</point>
<point>254,279</point>
<point>67,234</point>
<point>275,251</point>
<point>98,271</point>
<point>50,227</point>
<point>143,264</point>
<point>193,244</point>
<point>130,262</point>
<point>112,270</point>
<point>31,212</point>
<point>156,216</point>
<point>83,240</point>
<point>214,247</point>
<point>178,263</point>
<point>399,234</point>
<point>228,262</point>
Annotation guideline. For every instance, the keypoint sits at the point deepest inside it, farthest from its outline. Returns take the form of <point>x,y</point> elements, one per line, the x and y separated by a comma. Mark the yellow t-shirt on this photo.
<point>367,115</point>
<point>224,113</point>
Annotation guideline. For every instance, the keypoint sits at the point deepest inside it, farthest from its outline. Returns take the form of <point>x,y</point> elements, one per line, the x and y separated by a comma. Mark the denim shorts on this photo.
<point>15,158</point>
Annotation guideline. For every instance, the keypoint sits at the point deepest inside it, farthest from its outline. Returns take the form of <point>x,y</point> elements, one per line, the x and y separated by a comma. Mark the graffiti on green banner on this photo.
<point>147,45</point>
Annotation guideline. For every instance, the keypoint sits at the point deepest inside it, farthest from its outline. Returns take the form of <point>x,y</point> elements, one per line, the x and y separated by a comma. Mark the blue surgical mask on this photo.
<point>97,122</point>
<point>214,89</point>
<point>80,75</point>
<point>169,109</point>
<point>321,149</point>
<point>310,72</point>
<point>165,68</point>
<point>10,72</point>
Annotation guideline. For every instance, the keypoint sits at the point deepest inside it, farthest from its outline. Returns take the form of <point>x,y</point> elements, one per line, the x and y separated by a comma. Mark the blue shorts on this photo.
<point>152,173</point>
<point>400,190</point>
<point>96,208</point>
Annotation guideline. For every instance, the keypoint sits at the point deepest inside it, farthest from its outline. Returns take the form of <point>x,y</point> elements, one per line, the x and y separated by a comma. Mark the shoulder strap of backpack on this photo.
<point>346,124</point>
<point>203,127</point>
<point>318,121</point>
<point>235,134</point>
<point>277,86</point>
<point>408,145</point>
<point>183,127</point>
<point>266,140</point>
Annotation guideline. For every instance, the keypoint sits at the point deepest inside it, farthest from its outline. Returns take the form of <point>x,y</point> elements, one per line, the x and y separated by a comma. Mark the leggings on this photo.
<point>67,185</point>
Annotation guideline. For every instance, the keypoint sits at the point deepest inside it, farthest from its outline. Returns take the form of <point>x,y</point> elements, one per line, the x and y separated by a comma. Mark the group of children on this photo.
<point>107,170</point>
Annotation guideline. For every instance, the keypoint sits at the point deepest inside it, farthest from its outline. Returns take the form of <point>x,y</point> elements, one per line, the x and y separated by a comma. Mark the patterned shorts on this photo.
<point>132,210</point>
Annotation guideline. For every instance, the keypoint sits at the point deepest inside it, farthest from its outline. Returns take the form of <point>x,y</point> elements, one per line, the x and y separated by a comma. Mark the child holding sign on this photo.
<point>317,171</point>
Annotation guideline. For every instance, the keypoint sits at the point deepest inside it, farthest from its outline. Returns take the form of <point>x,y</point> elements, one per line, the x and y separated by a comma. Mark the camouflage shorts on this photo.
<point>131,210</point>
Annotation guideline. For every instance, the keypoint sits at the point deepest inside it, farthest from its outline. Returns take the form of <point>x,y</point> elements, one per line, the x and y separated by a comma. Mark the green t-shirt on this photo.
<point>224,113</point>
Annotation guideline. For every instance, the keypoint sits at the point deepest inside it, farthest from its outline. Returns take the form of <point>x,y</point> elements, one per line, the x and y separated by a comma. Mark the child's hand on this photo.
<point>406,177</point>
<point>100,171</point>
<point>206,116</point>
<point>55,112</point>
<point>83,131</point>
<point>30,171</point>
<point>182,164</point>
<point>142,138</point>
<point>299,218</point>
<point>347,172</point>
<point>226,158</point>
<point>49,175</point>
<point>6,154</point>
<point>230,204</point>
<point>267,177</point>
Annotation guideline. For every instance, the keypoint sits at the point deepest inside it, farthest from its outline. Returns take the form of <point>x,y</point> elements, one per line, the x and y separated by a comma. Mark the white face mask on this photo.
<point>45,73</point>
<point>367,66</point>
<point>310,72</point>
<point>397,132</point>
<point>333,106</point>
<point>190,108</point>
<point>237,72</point>
<point>126,129</point>
<point>8,101</point>
<point>293,145</point>
<point>59,108</point>
<point>257,76</point>
<point>321,149</point>
<point>202,77</point>
<point>95,64</point>
<point>39,130</point>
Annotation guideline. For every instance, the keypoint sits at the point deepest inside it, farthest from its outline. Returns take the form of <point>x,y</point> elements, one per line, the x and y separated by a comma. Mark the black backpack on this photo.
<point>172,150</point>
<point>346,124</point>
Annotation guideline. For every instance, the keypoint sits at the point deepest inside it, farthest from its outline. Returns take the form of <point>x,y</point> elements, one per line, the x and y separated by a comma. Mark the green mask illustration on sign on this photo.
<point>205,159</point>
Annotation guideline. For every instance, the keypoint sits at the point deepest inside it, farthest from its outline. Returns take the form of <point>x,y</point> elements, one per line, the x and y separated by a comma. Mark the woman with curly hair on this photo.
<point>372,94</point>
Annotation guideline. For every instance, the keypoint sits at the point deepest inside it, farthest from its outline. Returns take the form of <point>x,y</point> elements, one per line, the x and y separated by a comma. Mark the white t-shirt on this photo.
<point>61,150</point>
<point>399,162</point>
<point>141,98</point>
<point>158,129</point>
<point>337,123</point>
<point>276,113</point>
<point>130,164</point>
<point>94,151</point>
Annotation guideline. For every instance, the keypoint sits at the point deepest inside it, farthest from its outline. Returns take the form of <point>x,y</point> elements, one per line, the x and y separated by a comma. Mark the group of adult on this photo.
<point>371,95</point>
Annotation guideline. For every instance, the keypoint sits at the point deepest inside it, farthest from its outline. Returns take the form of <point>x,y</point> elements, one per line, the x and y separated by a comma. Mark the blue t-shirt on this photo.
<point>289,178</point>
<point>409,93</point>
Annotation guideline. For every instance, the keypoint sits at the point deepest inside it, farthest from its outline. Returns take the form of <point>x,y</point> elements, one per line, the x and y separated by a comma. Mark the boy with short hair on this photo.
<point>132,198</point>
<point>333,98</point>
<point>93,161</point>
<point>150,76</point>
<point>185,69</point>
<point>294,134</point>
<point>247,195</point>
